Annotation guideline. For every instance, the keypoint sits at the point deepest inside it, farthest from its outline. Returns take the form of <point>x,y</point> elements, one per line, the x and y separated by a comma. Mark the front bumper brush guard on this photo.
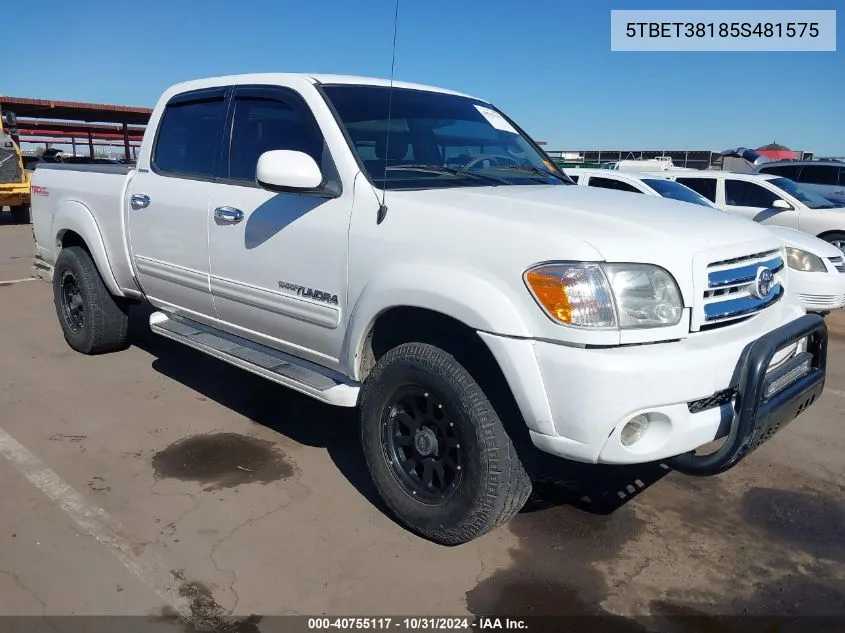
<point>756,418</point>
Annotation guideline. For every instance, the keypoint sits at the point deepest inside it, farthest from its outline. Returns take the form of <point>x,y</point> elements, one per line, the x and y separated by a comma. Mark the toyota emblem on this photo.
<point>762,285</point>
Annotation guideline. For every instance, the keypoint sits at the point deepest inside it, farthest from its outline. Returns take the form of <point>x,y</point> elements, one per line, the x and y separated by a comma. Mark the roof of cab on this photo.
<point>314,78</point>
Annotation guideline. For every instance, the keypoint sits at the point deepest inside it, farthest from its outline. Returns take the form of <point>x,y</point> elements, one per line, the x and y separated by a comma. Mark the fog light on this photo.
<point>634,430</point>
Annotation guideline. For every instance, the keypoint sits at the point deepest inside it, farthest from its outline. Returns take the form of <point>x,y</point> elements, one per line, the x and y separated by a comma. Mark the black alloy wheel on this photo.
<point>422,444</point>
<point>73,306</point>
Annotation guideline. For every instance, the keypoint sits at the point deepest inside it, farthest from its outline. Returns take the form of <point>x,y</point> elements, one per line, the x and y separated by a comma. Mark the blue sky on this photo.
<point>546,63</point>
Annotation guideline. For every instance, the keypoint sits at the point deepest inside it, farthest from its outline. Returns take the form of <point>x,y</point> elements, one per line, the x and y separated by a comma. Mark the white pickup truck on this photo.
<point>410,251</point>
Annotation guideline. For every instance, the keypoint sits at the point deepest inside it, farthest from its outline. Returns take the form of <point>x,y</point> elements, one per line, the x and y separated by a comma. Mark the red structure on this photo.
<point>777,152</point>
<point>73,123</point>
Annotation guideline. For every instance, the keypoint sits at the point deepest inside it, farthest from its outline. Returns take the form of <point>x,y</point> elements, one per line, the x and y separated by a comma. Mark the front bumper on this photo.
<point>818,291</point>
<point>577,400</point>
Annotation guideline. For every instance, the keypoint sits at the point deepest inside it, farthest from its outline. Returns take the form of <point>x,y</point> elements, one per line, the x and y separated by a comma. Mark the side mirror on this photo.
<point>781,204</point>
<point>286,170</point>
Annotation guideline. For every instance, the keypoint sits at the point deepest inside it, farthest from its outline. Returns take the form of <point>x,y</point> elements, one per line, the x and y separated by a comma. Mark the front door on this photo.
<point>754,201</point>
<point>278,260</point>
<point>168,205</point>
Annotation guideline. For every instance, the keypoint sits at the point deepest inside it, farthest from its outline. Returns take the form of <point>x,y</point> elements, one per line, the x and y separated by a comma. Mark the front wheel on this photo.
<point>92,320</point>
<point>437,451</point>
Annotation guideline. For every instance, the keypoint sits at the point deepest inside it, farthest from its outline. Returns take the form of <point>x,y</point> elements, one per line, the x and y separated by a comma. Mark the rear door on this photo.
<point>754,201</point>
<point>168,205</point>
<point>278,271</point>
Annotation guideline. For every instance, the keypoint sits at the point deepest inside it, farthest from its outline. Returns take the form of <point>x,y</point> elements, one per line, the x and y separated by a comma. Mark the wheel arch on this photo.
<point>825,234</point>
<point>74,225</point>
<point>460,299</point>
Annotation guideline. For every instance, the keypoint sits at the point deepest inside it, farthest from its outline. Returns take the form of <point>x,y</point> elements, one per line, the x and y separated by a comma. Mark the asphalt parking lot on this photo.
<point>158,481</point>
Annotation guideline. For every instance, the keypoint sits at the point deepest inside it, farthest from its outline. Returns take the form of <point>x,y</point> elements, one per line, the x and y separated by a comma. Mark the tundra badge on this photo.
<point>309,293</point>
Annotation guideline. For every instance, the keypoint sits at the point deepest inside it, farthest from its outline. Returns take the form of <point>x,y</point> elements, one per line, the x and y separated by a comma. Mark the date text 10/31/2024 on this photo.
<point>413,624</point>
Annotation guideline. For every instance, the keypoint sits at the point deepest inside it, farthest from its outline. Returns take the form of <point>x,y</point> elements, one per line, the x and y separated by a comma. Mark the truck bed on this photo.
<point>101,189</point>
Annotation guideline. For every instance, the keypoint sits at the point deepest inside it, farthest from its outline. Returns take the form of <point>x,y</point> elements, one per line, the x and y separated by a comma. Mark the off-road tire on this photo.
<point>21,213</point>
<point>105,319</point>
<point>494,484</point>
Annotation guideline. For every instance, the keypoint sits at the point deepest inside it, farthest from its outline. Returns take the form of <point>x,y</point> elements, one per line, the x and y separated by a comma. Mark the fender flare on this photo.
<point>75,216</point>
<point>474,301</point>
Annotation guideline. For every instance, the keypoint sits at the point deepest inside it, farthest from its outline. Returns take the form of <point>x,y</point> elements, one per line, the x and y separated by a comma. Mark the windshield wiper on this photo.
<point>535,170</point>
<point>454,171</point>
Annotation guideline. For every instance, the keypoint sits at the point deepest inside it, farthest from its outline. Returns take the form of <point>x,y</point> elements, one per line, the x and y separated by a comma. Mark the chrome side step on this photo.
<point>296,373</point>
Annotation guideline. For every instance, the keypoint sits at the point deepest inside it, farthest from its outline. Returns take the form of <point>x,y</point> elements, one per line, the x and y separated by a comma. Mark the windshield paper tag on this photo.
<point>496,120</point>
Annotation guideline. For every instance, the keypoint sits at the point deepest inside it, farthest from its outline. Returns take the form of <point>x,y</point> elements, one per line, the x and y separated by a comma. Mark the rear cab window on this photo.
<point>189,135</point>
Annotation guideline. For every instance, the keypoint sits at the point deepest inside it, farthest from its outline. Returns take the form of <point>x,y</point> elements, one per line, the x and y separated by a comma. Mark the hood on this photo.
<point>620,226</point>
<point>797,239</point>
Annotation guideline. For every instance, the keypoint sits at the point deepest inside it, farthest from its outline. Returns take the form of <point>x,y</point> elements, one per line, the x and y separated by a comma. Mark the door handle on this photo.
<point>230,215</point>
<point>139,201</point>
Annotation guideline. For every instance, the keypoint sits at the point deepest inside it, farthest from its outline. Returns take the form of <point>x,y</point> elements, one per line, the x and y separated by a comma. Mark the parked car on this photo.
<point>817,266</point>
<point>817,270</point>
<point>827,178</point>
<point>429,264</point>
<point>769,199</point>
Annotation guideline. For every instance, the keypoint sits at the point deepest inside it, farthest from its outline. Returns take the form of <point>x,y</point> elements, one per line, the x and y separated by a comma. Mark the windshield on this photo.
<point>809,198</point>
<point>436,140</point>
<point>677,191</point>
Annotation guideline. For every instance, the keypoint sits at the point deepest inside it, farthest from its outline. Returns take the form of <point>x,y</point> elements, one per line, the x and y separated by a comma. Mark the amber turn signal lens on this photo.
<point>549,290</point>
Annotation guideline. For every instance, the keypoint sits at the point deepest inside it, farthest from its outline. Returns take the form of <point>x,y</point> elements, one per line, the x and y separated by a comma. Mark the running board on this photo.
<point>298,374</point>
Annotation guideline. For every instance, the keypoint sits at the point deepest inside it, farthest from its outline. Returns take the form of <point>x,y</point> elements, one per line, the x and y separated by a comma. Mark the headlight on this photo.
<point>606,296</point>
<point>802,260</point>
<point>646,296</point>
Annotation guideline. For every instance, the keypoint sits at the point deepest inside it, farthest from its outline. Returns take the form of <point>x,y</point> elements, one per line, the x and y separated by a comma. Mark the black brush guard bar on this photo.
<point>755,417</point>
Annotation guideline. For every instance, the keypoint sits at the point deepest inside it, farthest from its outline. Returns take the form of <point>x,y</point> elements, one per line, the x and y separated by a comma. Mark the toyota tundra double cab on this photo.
<point>410,251</point>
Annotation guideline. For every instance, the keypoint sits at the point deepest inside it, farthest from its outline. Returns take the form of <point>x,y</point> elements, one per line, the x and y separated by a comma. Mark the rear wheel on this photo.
<point>21,213</point>
<point>92,320</point>
<point>438,453</point>
<point>837,239</point>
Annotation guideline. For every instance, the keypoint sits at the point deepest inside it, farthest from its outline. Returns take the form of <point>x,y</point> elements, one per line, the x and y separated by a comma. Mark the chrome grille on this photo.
<point>821,300</point>
<point>730,283</point>
<point>838,263</point>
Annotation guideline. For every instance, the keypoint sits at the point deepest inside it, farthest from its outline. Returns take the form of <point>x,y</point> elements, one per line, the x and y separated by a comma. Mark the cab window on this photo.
<point>705,186</point>
<point>786,171</point>
<point>262,124</point>
<point>819,174</point>
<point>741,193</point>
<point>610,183</point>
<point>189,136</point>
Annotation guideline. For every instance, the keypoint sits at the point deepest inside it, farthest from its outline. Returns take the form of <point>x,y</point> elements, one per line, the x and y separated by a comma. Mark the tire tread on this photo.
<point>506,483</point>
<point>107,318</point>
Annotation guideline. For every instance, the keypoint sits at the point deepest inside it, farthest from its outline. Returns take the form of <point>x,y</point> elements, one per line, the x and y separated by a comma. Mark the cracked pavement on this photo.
<point>288,522</point>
